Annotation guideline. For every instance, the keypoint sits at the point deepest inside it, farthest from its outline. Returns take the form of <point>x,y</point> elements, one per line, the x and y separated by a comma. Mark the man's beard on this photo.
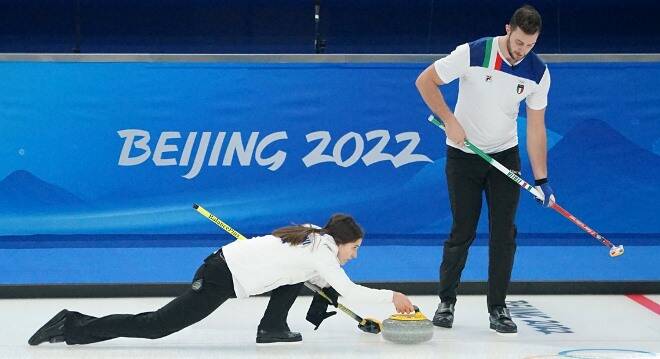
<point>508,48</point>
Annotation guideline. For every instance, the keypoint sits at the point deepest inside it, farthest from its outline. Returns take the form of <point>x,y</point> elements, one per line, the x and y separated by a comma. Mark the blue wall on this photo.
<point>287,26</point>
<point>68,197</point>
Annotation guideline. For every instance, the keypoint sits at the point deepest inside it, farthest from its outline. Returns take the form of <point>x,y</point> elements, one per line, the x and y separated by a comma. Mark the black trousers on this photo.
<point>468,177</point>
<point>188,308</point>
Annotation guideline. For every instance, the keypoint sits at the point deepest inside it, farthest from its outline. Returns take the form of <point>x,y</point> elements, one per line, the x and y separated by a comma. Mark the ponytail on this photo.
<point>341,227</point>
<point>295,234</point>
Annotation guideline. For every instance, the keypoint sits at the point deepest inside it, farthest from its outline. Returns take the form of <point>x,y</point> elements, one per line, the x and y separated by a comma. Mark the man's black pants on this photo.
<point>468,176</point>
<point>185,310</point>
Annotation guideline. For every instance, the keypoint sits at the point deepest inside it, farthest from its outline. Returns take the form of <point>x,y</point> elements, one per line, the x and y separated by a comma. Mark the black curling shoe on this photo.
<point>52,331</point>
<point>282,336</point>
<point>444,315</point>
<point>500,321</point>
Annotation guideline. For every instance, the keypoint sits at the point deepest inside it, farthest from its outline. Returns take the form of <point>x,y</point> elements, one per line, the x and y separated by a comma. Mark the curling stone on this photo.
<point>408,328</point>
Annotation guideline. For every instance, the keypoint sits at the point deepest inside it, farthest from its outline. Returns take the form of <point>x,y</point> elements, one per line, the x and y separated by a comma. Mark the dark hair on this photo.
<point>341,227</point>
<point>527,19</point>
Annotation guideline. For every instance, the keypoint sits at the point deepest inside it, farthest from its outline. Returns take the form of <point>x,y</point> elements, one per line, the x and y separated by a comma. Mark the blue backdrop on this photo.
<point>287,26</point>
<point>112,155</point>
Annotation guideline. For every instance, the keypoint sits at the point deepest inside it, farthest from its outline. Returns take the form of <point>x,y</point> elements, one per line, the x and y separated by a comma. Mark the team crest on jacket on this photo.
<point>520,89</point>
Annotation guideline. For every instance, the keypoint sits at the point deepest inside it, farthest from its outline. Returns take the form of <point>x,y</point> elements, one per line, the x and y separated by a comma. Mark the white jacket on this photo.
<point>261,264</point>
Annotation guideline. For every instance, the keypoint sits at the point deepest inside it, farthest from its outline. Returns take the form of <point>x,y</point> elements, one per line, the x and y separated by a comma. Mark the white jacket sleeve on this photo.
<point>327,265</point>
<point>454,65</point>
<point>538,100</point>
<point>319,282</point>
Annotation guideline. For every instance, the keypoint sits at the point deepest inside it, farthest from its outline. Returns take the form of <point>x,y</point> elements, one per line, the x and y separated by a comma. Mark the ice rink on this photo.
<point>560,326</point>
